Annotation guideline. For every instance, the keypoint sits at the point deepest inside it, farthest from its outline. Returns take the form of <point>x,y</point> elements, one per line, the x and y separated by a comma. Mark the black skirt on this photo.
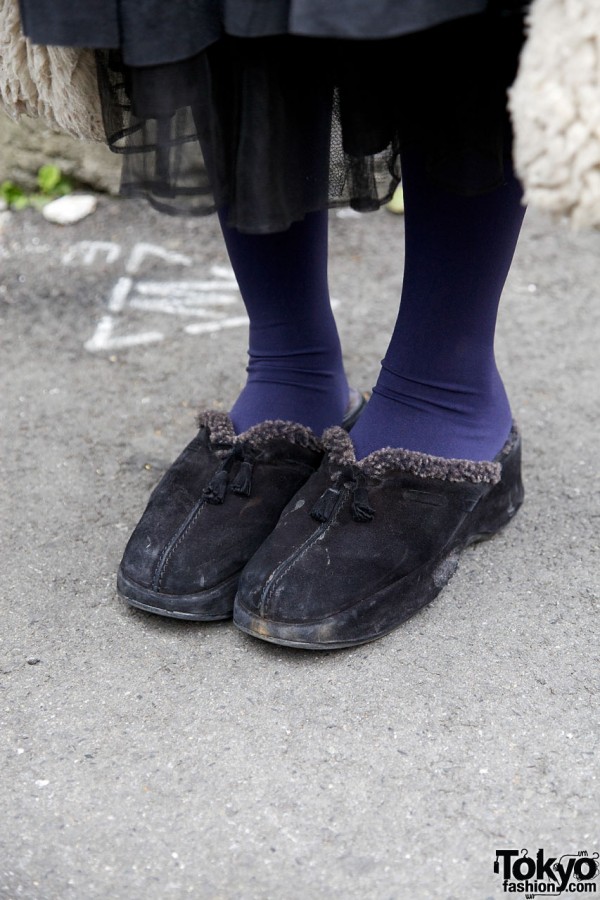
<point>275,108</point>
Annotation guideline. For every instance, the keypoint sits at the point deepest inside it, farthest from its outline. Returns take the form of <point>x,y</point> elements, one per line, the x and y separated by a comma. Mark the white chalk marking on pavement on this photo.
<point>185,306</point>
<point>201,298</point>
<point>225,272</point>
<point>134,340</point>
<point>103,339</point>
<point>185,287</point>
<point>119,294</point>
<point>87,251</point>
<point>102,334</point>
<point>141,251</point>
<point>208,327</point>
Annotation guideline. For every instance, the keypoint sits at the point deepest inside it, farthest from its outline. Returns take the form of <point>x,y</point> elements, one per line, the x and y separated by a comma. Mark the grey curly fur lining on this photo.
<point>339,446</point>
<point>219,425</point>
<point>512,439</point>
<point>263,434</point>
<point>258,436</point>
<point>379,463</point>
<point>423,465</point>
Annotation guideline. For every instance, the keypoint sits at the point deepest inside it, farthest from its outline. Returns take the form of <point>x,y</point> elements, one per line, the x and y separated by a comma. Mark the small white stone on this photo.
<point>42,782</point>
<point>347,213</point>
<point>70,209</point>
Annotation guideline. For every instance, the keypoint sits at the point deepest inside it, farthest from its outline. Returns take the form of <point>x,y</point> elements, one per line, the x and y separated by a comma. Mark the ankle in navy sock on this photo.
<point>439,390</point>
<point>295,369</point>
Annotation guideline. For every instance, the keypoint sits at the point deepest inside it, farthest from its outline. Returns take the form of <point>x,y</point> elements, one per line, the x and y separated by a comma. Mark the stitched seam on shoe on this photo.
<point>169,550</point>
<point>300,553</point>
<point>171,547</point>
<point>454,545</point>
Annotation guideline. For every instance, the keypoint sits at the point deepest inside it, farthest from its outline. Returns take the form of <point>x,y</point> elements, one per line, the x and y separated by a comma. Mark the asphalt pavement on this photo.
<point>150,758</point>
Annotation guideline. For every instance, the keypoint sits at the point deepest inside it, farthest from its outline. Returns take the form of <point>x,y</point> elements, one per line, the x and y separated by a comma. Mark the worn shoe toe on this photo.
<point>209,514</point>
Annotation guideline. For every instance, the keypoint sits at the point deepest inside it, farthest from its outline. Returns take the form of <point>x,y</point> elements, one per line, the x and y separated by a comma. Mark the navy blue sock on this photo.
<point>295,369</point>
<point>439,390</point>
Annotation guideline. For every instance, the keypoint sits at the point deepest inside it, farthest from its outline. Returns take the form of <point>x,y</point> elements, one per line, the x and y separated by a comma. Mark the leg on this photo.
<point>439,390</point>
<point>381,532</point>
<point>295,370</point>
<point>223,495</point>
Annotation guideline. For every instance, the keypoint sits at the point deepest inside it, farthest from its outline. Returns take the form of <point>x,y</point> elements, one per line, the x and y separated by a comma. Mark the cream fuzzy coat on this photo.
<point>56,84</point>
<point>555,107</point>
<point>554,103</point>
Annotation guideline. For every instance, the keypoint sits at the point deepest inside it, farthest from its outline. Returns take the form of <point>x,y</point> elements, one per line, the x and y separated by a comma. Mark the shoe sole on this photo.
<point>421,586</point>
<point>211,605</point>
<point>303,637</point>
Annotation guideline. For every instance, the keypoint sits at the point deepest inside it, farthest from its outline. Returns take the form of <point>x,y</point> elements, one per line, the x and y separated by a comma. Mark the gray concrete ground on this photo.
<point>148,758</point>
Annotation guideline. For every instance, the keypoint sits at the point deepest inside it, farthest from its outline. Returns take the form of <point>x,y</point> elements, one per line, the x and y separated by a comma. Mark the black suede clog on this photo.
<point>210,513</point>
<point>212,510</point>
<point>364,545</point>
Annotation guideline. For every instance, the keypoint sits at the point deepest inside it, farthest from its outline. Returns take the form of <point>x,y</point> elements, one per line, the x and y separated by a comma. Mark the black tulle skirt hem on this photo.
<point>273,128</point>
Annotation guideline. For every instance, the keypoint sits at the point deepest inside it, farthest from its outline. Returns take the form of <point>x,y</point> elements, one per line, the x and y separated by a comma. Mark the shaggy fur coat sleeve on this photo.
<point>555,107</point>
<point>57,84</point>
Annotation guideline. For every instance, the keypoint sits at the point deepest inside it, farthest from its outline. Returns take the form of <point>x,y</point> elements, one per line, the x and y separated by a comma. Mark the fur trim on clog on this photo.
<point>265,433</point>
<point>424,465</point>
<point>220,427</point>
<point>259,437</point>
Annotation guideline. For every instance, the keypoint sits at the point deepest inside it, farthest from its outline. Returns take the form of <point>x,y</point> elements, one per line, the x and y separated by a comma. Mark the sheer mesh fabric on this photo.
<point>275,127</point>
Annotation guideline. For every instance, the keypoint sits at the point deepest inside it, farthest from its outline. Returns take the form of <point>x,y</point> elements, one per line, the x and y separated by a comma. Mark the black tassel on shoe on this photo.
<point>215,490</point>
<point>354,481</point>
<point>323,508</point>
<point>242,483</point>
<point>362,511</point>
